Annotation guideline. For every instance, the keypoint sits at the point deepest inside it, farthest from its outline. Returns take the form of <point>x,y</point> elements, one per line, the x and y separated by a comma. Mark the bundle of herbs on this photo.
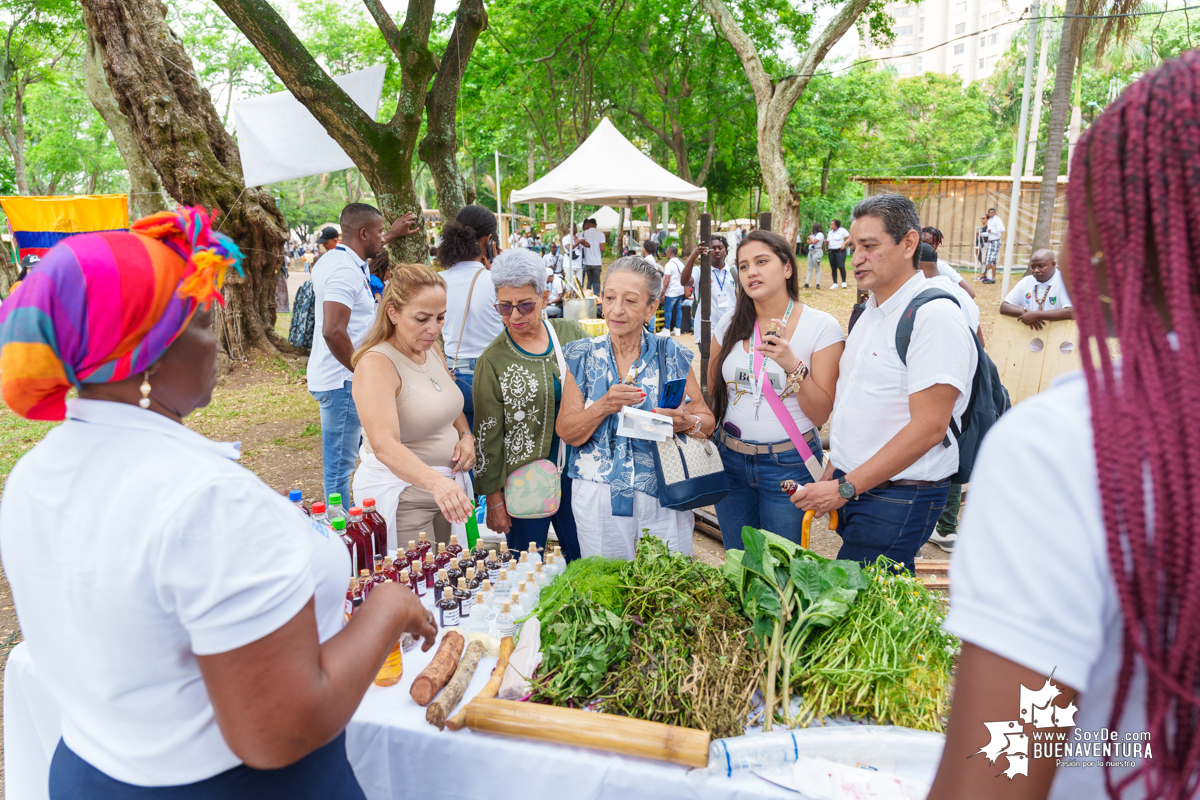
<point>888,659</point>
<point>788,593</point>
<point>691,661</point>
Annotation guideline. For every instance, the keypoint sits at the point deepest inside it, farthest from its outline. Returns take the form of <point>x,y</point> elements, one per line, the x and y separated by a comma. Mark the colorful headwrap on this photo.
<point>103,306</point>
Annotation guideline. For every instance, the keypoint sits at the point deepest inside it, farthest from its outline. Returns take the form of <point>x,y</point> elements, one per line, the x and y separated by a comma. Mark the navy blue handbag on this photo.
<point>690,471</point>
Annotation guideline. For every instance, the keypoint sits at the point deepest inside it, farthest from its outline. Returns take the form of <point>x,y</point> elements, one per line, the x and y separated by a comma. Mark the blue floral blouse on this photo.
<point>624,464</point>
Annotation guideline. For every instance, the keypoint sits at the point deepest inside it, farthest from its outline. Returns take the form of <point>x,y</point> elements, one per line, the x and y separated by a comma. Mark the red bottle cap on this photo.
<point>355,510</point>
<point>369,502</point>
<point>318,507</point>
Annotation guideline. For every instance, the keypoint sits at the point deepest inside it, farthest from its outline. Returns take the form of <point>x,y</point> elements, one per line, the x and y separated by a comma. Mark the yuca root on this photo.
<point>439,671</point>
<point>456,688</point>
<point>507,645</point>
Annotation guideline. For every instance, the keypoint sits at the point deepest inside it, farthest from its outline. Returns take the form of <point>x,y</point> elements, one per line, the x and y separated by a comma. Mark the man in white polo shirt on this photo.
<point>344,310</point>
<point>891,449</point>
<point>1041,296</point>
<point>593,252</point>
<point>723,282</point>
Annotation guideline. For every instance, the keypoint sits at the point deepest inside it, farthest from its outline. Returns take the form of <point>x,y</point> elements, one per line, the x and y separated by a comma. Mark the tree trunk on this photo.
<point>146,194</point>
<point>178,129</point>
<point>14,137</point>
<point>1060,109</point>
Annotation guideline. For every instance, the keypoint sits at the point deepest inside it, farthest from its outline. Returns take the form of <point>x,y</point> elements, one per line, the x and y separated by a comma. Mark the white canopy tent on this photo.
<point>606,218</point>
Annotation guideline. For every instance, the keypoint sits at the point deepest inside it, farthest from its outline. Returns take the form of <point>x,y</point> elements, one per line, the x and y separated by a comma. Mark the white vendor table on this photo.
<point>397,754</point>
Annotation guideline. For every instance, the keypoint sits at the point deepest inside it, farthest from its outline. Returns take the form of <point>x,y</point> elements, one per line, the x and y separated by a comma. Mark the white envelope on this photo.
<point>638,424</point>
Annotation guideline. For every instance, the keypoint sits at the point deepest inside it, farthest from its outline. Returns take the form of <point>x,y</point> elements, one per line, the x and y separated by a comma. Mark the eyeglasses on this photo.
<point>525,308</point>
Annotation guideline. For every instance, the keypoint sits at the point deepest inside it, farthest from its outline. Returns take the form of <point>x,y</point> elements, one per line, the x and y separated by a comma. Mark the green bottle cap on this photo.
<point>335,499</point>
<point>339,523</point>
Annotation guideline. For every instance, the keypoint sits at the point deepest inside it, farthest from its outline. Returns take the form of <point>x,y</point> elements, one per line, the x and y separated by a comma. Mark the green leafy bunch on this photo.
<point>581,642</point>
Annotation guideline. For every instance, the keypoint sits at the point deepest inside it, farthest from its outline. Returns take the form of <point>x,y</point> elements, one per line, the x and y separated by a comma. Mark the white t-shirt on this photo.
<point>574,251</point>
<point>837,238</point>
<point>552,261</point>
<point>994,228</point>
<point>820,241</point>
<point>591,255</point>
<point>1052,293</point>
<point>948,271</point>
<point>970,310</point>
<point>556,289</point>
<point>1031,575</point>
<point>674,268</point>
<point>340,277</point>
<point>132,544</point>
<point>483,320</point>
<point>871,404</point>
<point>815,330</point>
<point>724,293</point>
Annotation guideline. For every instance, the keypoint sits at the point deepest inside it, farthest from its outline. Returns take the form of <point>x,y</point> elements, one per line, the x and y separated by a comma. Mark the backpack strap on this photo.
<point>904,331</point>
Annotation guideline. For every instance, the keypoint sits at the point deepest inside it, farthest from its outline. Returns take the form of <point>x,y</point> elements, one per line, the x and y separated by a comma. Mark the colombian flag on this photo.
<point>39,223</point>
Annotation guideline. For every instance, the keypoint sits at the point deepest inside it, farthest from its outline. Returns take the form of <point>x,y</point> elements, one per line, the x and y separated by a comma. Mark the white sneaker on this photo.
<point>843,284</point>
<point>664,332</point>
<point>944,542</point>
<point>676,332</point>
<point>834,286</point>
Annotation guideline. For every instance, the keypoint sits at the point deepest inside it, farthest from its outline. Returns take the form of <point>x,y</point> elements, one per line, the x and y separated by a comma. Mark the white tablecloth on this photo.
<point>397,754</point>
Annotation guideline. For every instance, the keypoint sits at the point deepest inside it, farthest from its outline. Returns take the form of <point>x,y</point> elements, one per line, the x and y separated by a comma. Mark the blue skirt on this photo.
<point>323,774</point>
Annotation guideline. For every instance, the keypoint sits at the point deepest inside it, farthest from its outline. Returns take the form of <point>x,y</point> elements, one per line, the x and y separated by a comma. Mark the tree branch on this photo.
<point>708,156</point>
<point>790,89</point>
<point>391,34</point>
<point>756,73</point>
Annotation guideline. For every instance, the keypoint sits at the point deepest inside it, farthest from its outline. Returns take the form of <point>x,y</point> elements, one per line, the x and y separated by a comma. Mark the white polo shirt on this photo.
<point>871,403</point>
<point>133,544</point>
<point>342,277</point>
<point>1052,293</point>
<point>674,268</point>
<point>837,238</point>
<point>571,252</point>
<point>724,293</point>
<point>591,255</point>
<point>483,320</point>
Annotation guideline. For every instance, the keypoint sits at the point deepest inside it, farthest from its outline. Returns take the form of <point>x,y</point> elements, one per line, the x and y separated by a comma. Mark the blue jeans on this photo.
<point>755,498</point>
<point>673,312</point>
<point>465,380</point>
<point>341,433</point>
<point>523,531</point>
<point>892,522</point>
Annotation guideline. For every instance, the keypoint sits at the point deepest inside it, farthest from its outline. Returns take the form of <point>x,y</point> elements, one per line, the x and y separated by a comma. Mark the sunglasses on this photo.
<point>525,308</point>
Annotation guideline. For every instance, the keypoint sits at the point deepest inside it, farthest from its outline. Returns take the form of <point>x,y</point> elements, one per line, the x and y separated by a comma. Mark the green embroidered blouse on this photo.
<point>515,405</point>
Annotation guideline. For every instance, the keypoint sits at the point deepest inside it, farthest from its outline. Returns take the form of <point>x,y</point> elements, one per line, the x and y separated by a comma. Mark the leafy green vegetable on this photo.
<point>581,642</point>
<point>595,576</point>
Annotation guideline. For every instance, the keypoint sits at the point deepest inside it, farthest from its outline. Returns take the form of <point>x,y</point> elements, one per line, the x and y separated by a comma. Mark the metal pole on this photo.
<point>1035,123</point>
<point>705,299</point>
<point>499,207</point>
<point>1011,239</point>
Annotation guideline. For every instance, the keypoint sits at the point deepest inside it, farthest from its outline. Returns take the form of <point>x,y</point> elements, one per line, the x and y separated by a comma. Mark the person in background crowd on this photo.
<point>933,237</point>
<point>1041,296</point>
<point>328,240</point>
<point>471,319</point>
<point>674,291</point>
<point>552,260</point>
<point>417,448</point>
<point>245,685</point>
<point>891,452</point>
<point>801,364</point>
<point>281,288</point>
<point>593,253</point>
<point>650,251</point>
<point>736,236</point>
<point>945,533</point>
<point>837,251</point>
<point>518,395</point>
<point>1114,631</point>
<point>614,490</point>
<point>523,241</point>
<point>28,262</point>
<point>723,281</point>
<point>572,257</point>
<point>554,299</point>
<point>816,245</point>
<point>980,242</point>
<point>380,267</point>
<point>344,310</point>
<point>991,251</point>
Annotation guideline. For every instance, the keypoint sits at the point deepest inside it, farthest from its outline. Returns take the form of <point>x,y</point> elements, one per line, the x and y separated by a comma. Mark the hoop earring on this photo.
<point>145,387</point>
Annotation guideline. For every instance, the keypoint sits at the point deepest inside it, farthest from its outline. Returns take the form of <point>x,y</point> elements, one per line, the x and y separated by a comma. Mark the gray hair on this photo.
<point>898,215</point>
<point>517,268</point>
<point>640,267</point>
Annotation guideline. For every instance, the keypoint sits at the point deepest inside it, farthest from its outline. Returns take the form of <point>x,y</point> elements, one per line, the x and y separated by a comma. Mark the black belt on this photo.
<point>886,484</point>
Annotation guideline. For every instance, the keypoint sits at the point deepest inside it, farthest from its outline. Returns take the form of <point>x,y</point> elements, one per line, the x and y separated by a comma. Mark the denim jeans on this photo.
<point>341,433</point>
<point>592,275</point>
<point>523,531</point>
<point>892,522</point>
<point>755,498</point>
<point>672,312</point>
<point>465,381</point>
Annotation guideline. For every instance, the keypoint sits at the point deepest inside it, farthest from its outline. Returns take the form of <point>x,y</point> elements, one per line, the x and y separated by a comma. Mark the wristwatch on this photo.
<point>846,488</point>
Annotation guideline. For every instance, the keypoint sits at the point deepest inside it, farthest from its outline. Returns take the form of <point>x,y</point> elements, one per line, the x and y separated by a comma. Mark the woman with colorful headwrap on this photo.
<point>186,618</point>
<point>1076,578</point>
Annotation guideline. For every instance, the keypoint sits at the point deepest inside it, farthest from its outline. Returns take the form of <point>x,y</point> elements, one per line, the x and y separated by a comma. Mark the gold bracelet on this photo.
<point>797,376</point>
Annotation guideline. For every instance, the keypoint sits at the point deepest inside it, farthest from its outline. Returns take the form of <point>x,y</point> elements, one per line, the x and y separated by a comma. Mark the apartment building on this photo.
<point>955,37</point>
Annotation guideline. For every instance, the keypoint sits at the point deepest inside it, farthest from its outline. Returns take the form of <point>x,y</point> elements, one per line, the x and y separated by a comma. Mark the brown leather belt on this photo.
<point>751,449</point>
<point>886,484</point>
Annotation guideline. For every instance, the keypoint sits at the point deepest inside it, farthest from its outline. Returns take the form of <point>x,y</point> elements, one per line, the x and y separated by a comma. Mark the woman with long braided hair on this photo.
<point>1077,572</point>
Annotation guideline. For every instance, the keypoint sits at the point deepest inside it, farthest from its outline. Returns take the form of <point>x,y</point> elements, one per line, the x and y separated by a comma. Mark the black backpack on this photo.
<point>988,400</point>
<point>304,318</point>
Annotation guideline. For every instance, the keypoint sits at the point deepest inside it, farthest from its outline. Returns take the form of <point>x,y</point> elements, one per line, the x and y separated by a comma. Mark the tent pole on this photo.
<point>499,207</point>
<point>705,299</point>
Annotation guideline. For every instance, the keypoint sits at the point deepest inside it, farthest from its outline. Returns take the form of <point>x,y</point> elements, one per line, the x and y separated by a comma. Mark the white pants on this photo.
<point>602,534</point>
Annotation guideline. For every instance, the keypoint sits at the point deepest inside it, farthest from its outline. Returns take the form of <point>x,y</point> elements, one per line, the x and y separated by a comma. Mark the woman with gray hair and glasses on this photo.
<point>614,489</point>
<point>517,392</point>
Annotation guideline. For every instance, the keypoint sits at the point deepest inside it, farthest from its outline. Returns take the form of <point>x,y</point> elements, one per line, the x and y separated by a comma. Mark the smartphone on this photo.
<point>672,394</point>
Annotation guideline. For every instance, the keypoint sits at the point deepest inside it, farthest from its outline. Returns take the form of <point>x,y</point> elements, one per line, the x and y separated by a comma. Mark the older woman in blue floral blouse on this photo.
<point>615,493</point>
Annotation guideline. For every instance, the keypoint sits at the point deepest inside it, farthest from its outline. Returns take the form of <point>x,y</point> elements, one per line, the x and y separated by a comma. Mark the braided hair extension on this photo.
<point>934,234</point>
<point>1136,171</point>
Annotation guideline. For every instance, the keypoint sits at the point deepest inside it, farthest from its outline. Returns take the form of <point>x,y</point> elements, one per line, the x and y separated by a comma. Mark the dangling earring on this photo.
<point>145,387</point>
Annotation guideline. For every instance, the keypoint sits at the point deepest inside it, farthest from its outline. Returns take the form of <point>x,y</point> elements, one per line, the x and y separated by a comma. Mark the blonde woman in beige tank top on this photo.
<point>410,407</point>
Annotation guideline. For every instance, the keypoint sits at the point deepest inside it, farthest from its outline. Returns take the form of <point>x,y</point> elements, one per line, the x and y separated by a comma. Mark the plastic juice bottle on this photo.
<point>429,570</point>
<point>454,547</point>
<point>378,576</point>
<point>297,499</point>
<point>423,545</point>
<point>349,608</point>
<point>362,537</point>
<point>318,513</point>
<point>339,528</point>
<point>416,578</point>
<point>442,558</point>
<point>493,566</point>
<point>364,580</point>
<point>376,523</point>
<point>393,667</point>
<point>335,508</point>
<point>447,609</point>
<point>505,625</point>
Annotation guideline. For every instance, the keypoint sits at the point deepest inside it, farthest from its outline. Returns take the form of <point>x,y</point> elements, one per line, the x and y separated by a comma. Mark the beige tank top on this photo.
<point>428,403</point>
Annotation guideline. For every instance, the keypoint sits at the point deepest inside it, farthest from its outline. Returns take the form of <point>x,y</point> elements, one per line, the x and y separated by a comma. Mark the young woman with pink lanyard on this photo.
<point>777,389</point>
